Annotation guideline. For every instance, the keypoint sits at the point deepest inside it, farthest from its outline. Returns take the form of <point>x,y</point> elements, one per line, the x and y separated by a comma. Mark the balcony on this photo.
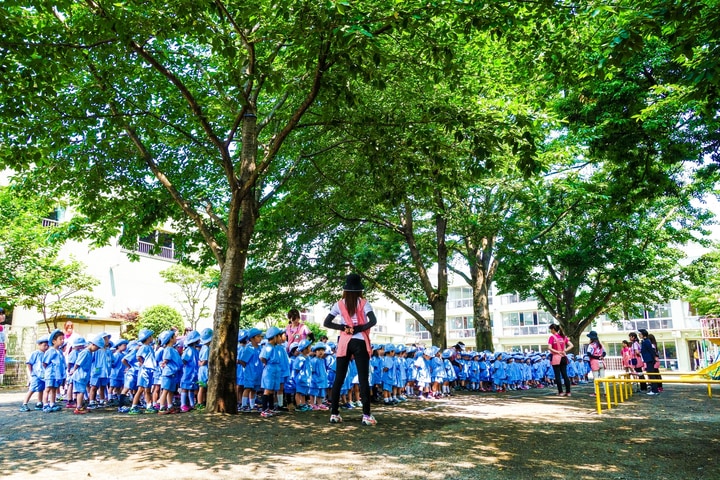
<point>526,330</point>
<point>146,248</point>
<point>48,223</point>
<point>462,333</point>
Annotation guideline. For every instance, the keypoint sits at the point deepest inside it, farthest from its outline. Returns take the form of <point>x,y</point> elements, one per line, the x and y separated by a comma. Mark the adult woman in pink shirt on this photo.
<point>559,345</point>
<point>296,331</point>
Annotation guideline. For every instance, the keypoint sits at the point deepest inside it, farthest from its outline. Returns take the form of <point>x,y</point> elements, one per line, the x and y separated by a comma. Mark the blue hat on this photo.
<point>99,341</point>
<point>144,334</point>
<point>318,346</point>
<point>304,344</point>
<point>122,342</point>
<point>332,345</point>
<point>79,342</point>
<point>192,337</point>
<point>242,336</point>
<point>293,346</point>
<point>105,334</point>
<point>253,332</point>
<point>400,348</point>
<point>54,334</point>
<point>273,332</point>
<point>165,337</point>
<point>447,353</point>
<point>389,347</point>
<point>43,339</point>
<point>434,350</point>
<point>179,344</point>
<point>206,336</point>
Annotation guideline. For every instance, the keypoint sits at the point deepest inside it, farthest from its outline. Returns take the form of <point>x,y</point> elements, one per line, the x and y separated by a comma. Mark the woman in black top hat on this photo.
<point>356,320</point>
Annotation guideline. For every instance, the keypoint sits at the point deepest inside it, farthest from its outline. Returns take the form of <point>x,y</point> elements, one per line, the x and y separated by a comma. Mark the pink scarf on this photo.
<point>347,318</point>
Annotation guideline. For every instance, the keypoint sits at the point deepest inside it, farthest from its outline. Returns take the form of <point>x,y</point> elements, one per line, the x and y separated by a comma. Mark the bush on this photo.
<point>159,318</point>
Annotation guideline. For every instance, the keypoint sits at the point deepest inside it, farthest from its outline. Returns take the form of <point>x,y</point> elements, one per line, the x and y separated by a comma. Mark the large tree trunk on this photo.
<point>481,316</point>
<point>244,211</point>
<point>222,396</point>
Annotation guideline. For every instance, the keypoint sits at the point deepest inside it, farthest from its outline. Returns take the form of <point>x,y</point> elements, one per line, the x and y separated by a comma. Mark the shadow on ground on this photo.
<point>516,435</point>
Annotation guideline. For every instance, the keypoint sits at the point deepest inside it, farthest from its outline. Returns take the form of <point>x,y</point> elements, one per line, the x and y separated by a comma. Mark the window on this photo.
<point>460,297</point>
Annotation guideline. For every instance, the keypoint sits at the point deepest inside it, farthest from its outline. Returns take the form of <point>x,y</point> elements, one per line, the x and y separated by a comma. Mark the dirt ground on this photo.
<point>516,435</point>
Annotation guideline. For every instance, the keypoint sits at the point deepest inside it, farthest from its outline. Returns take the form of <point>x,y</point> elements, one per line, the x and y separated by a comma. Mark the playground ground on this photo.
<point>516,435</point>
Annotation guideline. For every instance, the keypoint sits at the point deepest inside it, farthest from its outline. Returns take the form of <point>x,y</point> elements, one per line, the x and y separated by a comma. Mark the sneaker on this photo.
<point>71,404</point>
<point>358,404</point>
<point>46,409</point>
<point>152,409</point>
<point>568,394</point>
<point>335,419</point>
<point>266,413</point>
<point>245,409</point>
<point>369,420</point>
<point>651,393</point>
<point>92,406</point>
<point>123,409</point>
<point>164,411</point>
<point>282,409</point>
<point>304,408</point>
<point>39,406</point>
<point>55,408</point>
<point>134,411</point>
<point>80,411</point>
<point>201,406</point>
<point>348,406</point>
<point>323,407</point>
<point>24,408</point>
<point>184,409</point>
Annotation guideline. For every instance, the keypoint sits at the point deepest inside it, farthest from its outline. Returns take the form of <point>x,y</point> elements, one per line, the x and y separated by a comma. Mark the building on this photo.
<point>520,326</point>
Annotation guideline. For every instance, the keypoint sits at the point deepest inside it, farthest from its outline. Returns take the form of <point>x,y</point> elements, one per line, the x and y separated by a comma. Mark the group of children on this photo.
<point>99,373</point>
<point>159,374</point>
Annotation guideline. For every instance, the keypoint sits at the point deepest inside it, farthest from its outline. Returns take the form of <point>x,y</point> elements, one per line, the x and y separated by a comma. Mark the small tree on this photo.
<point>60,288</point>
<point>159,318</point>
<point>195,290</point>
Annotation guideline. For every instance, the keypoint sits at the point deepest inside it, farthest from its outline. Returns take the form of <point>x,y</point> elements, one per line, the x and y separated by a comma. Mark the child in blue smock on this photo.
<point>145,359</point>
<point>388,376</point>
<point>272,371</point>
<point>319,379</point>
<point>55,371</point>
<point>423,375</point>
<point>203,362</point>
<point>36,375</point>
<point>82,370</point>
<point>302,376</point>
<point>189,378</point>
<point>117,372</point>
<point>170,365</point>
<point>252,367</point>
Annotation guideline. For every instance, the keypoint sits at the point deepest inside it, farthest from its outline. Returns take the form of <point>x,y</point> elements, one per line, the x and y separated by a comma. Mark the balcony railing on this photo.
<point>46,222</point>
<point>147,249</point>
<point>526,330</point>
<point>461,333</point>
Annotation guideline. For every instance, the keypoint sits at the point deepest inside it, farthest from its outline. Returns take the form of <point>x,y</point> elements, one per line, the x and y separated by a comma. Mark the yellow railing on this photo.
<point>618,389</point>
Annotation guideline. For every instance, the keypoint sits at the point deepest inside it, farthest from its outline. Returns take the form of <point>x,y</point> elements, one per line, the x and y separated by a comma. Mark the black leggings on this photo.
<point>358,349</point>
<point>561,370</point>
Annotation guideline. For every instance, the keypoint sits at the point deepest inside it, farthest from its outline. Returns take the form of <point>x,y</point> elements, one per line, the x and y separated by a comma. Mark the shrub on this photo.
<point>159,318</point>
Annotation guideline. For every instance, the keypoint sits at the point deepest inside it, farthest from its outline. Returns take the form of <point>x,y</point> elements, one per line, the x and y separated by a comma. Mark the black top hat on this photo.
<point>353,283</point>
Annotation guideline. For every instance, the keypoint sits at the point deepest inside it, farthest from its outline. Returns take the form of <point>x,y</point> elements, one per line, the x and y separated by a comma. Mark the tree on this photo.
<point>160,318</point>
<point>195,290</point>
<point>703,277</point>
<point>179,112</point>
<point>60,288</point>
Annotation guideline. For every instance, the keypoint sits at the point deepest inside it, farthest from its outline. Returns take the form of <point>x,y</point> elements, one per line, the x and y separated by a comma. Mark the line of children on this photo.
<point>153,373</point>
